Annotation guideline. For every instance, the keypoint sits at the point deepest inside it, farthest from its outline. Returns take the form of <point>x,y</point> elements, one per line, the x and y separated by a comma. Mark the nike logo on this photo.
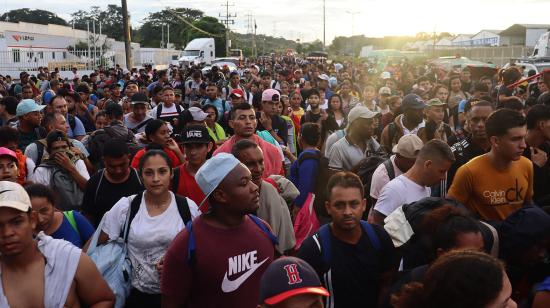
<point>232,285</point>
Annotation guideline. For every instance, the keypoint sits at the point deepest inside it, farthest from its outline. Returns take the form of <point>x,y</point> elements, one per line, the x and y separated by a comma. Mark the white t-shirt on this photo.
<point>171,111</point>
<point>148,238</point>
<point>399,191</point>
<point>380,178</point>
<point>43,175</point>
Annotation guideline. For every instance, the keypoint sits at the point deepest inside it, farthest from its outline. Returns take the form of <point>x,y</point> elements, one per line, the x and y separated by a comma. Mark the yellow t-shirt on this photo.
<point>493,194</point>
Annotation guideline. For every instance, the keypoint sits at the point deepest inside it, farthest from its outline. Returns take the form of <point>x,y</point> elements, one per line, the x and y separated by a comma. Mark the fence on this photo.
<point>495,55</point>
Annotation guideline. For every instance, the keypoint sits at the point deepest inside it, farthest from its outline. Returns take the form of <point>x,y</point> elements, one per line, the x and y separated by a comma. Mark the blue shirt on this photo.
<point>68,233</point>
<point>78,128</point>
<point>303,176</point>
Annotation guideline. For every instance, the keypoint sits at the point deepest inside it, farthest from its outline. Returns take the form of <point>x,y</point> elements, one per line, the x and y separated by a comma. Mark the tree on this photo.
<point>33,16</point>
<point>110,18</point>
<point>150,33</point>
<point>210,25</point>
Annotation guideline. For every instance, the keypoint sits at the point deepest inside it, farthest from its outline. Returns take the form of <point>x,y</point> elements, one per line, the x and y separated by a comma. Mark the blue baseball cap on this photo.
<point>27,105</point>
<point>287,277</point>
<point>213,171</point>
<point>412,101</point>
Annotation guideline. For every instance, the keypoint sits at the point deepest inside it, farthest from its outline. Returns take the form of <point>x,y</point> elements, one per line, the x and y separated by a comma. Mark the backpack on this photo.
<point>320,184</point>
<point>192,244</point>
<point>324,242</point>
<point>365,169</point>
<point>159,110</point>
<point>67,189</point>
<point>97,143</point>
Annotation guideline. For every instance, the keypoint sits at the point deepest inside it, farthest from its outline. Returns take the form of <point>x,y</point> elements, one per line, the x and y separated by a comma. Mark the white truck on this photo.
<point>198,51</point>
<point>542,47</point>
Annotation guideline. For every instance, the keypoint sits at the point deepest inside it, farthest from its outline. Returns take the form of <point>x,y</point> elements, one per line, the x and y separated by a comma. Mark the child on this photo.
<point>435,127</point>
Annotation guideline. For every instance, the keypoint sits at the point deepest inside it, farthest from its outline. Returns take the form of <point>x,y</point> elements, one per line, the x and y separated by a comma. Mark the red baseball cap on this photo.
<point>237,92</point>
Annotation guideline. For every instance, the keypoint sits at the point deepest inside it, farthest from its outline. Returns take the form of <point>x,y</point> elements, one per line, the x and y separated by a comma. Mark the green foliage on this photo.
<point>150,33</point>
<point>110,18</point>
<point>210,25</point>
<point>33,16</point>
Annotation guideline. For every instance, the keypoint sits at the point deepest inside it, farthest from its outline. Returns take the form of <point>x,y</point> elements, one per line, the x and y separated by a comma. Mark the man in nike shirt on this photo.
<point>219,260</point>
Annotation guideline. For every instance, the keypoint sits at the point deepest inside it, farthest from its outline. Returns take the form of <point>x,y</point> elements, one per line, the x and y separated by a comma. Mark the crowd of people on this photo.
<point>285,183</point>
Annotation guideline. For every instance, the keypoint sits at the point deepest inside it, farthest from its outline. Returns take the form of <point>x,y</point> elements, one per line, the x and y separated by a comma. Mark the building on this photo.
<point>486,38</point>
<point>462,40</point>
<point>27,46</point>
<point>522,34</point>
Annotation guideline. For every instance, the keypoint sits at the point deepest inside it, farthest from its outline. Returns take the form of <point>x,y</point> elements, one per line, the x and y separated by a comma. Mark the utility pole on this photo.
<point>168,36</point>
<point>324,25</point>
<point>127,37</point>
<point>251,30</point>
<point>227,20</point>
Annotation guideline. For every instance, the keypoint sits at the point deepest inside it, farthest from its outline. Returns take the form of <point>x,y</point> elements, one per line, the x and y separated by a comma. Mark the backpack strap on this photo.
<point>371,234</point>
<point>72,121</point>
<point>70,218</point>
<point>39,152</point>
<point>140,125</point>
<point>134,208</point>
<point>183,208</point>
<point>191,245</point>
<point>265,229</point>
<point>159,110</point>
<point>324,237</point>
<point>176,180</point>
<point>389,168</point>
<point>102,173</point>
<point>178,108</point>
<point>392,130</point>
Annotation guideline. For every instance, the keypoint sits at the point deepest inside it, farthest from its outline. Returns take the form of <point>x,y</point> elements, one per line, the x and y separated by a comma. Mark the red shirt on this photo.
<point>173,157</point>
<point>227,266</point>
<point>189,188</point>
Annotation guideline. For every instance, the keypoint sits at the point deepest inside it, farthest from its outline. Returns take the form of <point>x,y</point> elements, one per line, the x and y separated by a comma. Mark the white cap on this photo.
<point>14,196</point>
<point>360,111</point>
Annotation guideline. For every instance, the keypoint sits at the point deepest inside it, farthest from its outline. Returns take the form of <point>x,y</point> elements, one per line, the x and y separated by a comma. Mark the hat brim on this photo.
<point>307,290</point>
<point>139,102</point>
<point>9,155</point>
<point>196,141</point>
<point>15,205</point>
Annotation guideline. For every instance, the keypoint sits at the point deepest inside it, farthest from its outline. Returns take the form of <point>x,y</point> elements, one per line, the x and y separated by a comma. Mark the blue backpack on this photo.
<point>326,245</point>
<point>192,245</point>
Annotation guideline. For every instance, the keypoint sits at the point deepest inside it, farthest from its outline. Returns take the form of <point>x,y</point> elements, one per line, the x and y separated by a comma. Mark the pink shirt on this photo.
<point>272,158</point>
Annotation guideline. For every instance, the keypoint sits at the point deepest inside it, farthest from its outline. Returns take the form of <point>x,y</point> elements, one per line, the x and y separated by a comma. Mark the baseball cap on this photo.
<point>139,98</point>
<point>435,102</point>
<point>237,92</point>
<point>47,97</point>
<point>287,277</point>
<point>195,134</point>
<point>7,152</point>
<point>408,146</point>
<point>412,101</point>
<point>197,113</point>
<point>13,195</point>
<point>213,171</point>
<point>271,95</point>
<point>323,77</point>
<point>26,106</point>
<point>384,91</point>
<point>360,111</point>
<point>385,75</point>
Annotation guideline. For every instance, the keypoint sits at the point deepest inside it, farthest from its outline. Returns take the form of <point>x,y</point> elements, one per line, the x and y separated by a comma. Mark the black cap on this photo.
<point>139,98</point>
<point>287,277</point>
<point>195,134</point>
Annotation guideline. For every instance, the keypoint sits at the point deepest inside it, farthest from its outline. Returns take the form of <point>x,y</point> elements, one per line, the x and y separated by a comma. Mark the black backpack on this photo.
<point>320,184</point>
<point>365,169</point>
<point>97,143</point>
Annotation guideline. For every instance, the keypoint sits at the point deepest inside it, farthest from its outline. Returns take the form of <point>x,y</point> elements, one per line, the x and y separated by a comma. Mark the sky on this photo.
<point>303,19</point>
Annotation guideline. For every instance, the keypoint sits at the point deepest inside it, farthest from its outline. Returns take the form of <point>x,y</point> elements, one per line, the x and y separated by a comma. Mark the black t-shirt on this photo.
<point>541,177</point>
<point>355,270</point>
<point>279,126</point>
<point>503,90</point>
<point>310,117</point>
<point>464,151</point>
<point>99,200</point>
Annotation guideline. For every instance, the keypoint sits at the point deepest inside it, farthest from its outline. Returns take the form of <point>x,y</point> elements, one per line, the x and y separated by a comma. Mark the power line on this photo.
<point>227,19</point>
